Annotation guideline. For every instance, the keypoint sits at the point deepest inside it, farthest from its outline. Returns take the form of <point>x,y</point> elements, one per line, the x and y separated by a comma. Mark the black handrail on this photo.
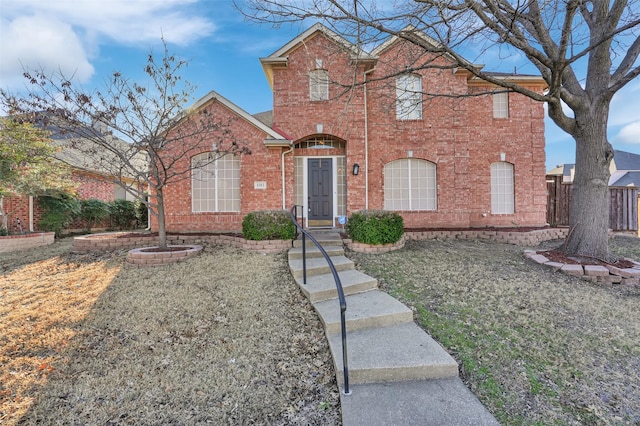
<point>336,278</point>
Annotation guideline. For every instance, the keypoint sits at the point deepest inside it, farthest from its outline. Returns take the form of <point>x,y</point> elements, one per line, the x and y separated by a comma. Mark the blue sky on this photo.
<point>93,38</point>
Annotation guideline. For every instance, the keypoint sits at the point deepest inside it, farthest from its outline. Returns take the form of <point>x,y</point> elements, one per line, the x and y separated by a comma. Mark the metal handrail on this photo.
<point>336,278</point>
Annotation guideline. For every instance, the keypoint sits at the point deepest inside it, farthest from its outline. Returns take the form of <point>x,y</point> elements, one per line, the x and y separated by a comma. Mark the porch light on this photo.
<point>356,169</point>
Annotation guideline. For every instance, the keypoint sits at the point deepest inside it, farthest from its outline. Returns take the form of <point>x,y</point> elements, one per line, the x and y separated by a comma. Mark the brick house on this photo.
<point>92,182</point>
<point>340,138</point>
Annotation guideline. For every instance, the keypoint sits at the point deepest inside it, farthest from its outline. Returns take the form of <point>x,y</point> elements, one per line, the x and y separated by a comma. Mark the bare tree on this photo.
<point>141,135</point>
<point>558,38</point>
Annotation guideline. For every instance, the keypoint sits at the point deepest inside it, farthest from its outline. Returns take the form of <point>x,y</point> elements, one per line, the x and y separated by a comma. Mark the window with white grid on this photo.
<point>410,184</point>
<point>409,97</point>
<point>319,85</point>
<point>215,183</point>
<point>502,188</point>
<point>501,105</point>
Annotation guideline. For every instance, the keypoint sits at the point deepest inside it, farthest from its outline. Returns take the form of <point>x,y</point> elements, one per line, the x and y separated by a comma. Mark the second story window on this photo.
<point>409,97</point>
<point>501,105</point>
<point>319,85</point>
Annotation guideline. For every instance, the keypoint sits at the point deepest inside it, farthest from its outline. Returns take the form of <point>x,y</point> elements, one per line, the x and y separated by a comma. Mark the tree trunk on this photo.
<point>589,216</point>
<point>162,231</point>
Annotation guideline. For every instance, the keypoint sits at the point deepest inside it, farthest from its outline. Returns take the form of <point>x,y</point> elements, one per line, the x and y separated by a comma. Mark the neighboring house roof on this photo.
<point>265,117</point>
<point>625,179</point>
<point>623,160</point>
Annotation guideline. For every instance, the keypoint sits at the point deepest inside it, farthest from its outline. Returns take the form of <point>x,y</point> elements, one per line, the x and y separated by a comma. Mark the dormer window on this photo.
<point>319,85</point>
<point>409,97</point>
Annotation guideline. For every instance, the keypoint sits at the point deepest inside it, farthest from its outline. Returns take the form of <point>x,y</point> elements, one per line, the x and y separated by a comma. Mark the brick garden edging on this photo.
<point>374,248</point>
<point>141,257</point>
<point>534,237</point>
<point>605,275</point>
<point>104,242</point>
<point>21,242</point>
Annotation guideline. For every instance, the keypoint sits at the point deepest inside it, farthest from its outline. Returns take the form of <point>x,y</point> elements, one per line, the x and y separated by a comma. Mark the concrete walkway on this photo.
<point>398,374</point>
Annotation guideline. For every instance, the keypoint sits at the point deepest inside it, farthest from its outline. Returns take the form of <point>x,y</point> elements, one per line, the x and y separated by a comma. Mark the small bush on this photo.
<point>123,214</point>
<point>375,227</point>
<point>93,211</point>
<point>59,211</point>
<point>268,225</point>
<point>142,216</point>
<point>3,232</point>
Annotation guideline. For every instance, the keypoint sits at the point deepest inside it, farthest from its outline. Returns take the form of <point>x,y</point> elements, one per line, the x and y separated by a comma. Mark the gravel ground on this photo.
<point>537,347</point>
<point>224,338</point>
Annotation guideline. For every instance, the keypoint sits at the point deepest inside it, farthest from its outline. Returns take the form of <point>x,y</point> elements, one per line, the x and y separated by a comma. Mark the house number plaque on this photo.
<point>259,184</point>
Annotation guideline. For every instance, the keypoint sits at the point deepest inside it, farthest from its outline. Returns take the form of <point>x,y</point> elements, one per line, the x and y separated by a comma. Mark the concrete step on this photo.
<point>319,266</point>
<point>296,252</point>
<point>391,354</point>
<point>323,287</point>
<point>442,402</point>
<point>329,238</point>
<point>364,310</point>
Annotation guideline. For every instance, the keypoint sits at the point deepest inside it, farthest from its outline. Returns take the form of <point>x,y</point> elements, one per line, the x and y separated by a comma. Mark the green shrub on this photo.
<point>93,211</point>
<point>122,214</point>
<point>142,215</point>
<point>3,232</point>
<point>58,212</point>
<point>375,227</point>
<point>268,225</point>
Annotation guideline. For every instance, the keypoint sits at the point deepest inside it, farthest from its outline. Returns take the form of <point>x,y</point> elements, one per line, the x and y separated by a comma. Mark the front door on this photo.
<point>320,192</point>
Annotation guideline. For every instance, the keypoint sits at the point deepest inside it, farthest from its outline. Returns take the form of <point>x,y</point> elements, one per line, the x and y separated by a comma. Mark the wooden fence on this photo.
<point>623,205</point>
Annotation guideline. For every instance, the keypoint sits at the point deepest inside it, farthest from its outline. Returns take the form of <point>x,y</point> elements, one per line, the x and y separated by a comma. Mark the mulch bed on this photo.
<point>560,257</point>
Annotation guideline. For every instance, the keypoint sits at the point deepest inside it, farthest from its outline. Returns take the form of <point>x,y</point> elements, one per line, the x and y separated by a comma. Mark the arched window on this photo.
<point>215,183</point>
<point>502,188</point>
<point>410,184</point>
<point>319,85</point>
<point>409,97</point>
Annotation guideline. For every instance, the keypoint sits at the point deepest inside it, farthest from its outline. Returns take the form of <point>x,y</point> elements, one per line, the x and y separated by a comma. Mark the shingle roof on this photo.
<point>626,160</point>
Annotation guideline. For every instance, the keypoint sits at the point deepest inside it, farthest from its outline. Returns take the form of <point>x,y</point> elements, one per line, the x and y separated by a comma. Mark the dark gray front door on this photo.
<point>320,192</point>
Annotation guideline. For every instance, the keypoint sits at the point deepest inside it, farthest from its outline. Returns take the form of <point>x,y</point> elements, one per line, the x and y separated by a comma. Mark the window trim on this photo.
<point>409,98</point>
<point>432,191</point>
<point>212,166</point>
<point>501,105</point>
<point>319,85</point>
<point>498,205</point>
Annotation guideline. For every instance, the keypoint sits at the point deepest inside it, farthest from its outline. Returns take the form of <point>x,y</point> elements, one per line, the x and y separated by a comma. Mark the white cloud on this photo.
<point>67,34</point>
<point>30,42</point>
<point>629,134</point>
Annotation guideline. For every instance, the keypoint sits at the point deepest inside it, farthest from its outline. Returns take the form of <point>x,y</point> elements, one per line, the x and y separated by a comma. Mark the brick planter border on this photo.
<point>374,248</point>
<point>603,275</point>
<point>104,242</point>
<point>21,242</point>
<point>508,237</point>
<point>142,258</point>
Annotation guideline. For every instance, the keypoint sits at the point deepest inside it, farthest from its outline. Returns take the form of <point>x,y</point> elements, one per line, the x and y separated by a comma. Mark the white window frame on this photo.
<point>209,177</point>
<point>419,195</point>
<point>409,97</point>
<point>501,105</point>
<point>502,188</point>
<point>319,85</point>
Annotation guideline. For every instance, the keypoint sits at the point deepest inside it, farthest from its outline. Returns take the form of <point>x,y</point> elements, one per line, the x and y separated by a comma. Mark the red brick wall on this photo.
<point>458,134</point>
<point>262,164</point>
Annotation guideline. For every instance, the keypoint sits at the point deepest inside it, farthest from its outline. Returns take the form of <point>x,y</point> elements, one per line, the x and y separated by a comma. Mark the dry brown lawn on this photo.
<point>537,347</point>
<point>224,338</point>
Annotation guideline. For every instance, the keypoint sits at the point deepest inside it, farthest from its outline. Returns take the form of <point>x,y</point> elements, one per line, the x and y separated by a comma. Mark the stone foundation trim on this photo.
<point>508,237</point>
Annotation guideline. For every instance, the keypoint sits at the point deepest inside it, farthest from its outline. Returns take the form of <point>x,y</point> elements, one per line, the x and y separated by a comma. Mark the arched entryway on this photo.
<point>320,179</point>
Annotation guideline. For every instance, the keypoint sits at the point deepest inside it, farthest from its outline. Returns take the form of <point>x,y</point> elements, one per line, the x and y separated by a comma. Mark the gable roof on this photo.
<point>279,58</point>
<point>626,160</point>
<point>273,137</point>
<point>625,179</point>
